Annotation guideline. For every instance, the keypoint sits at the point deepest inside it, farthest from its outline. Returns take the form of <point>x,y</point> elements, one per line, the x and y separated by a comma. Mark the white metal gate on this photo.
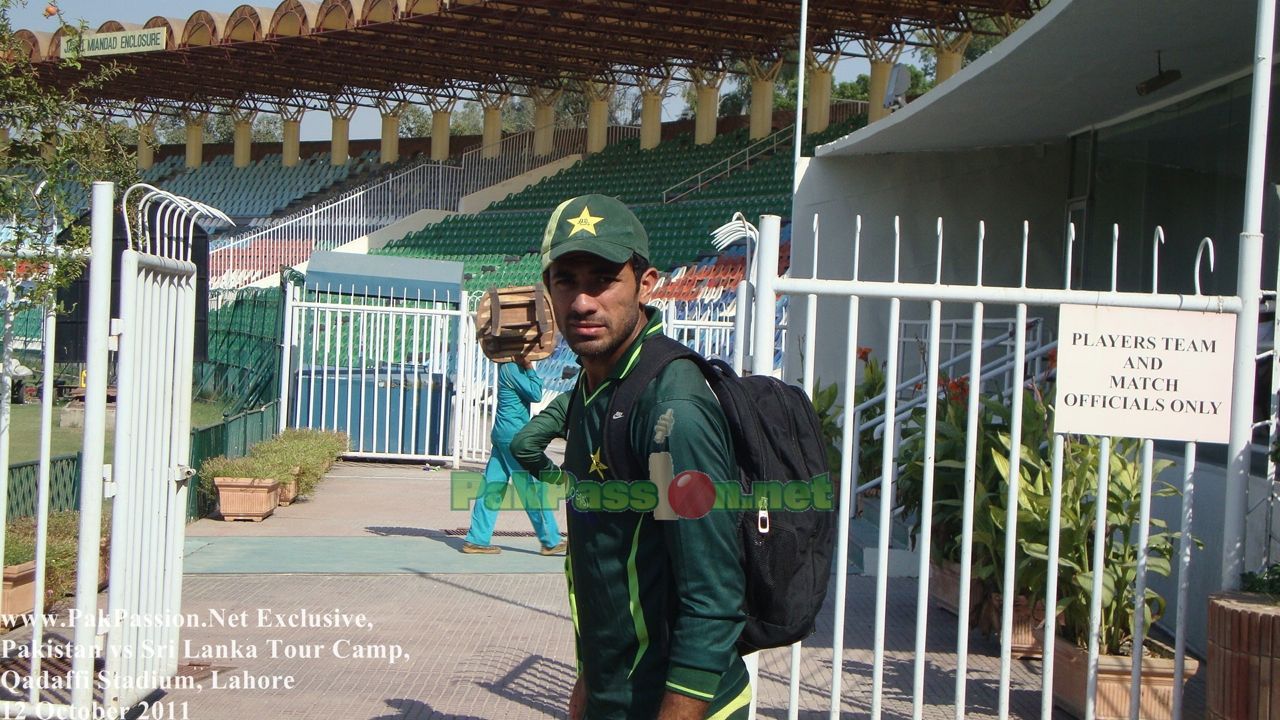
<point>155,333</point>
<point>397,373</point>
<point>149,481</point>
<point>902,693</point>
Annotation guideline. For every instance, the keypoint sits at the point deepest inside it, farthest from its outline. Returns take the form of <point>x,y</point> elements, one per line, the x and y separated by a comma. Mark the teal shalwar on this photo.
<point>517,388</point>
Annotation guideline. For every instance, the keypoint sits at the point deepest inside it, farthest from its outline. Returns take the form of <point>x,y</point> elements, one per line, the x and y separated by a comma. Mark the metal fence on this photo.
<point>244,259</point>
<point>1041,484</point>
<point>64,486</point>
<point>243,349</point>
<point>233,437</point>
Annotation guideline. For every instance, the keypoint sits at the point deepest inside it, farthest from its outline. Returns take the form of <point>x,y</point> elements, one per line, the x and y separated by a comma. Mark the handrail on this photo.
<point>723,167</point>
<point>994,369</point>
<point>367,186</point>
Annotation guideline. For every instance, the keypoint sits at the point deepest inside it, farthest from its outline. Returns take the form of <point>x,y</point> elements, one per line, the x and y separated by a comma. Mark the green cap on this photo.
<point>595,224</point>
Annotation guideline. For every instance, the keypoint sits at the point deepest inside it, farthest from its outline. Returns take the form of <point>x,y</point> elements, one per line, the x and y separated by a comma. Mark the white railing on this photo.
<point>248,257</point>
<point>515,154</point>
<point>244,259</point>
<point>955,343</point>
<point>739,160</point>
<point>842,110</point>
<point>903,693</point>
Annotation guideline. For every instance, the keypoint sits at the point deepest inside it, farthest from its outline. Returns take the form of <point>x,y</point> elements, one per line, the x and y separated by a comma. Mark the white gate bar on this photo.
<point>998,295</point>
<point>95,422</point>
<point>926,492</point>
<point>1100,540</point>
<point>1248,280</point>
<point>1140,581</point>
<point>42,499</point>
<point>970,486</point>
<point>1015,470</point>
<point>887,457</point>
<point>1051,587</point>
<point>1185,543</point>
<point>848,483</point>
<point>286,357</point>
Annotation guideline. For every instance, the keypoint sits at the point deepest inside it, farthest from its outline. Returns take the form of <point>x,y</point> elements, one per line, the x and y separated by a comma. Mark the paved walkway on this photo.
<point>439,634</point>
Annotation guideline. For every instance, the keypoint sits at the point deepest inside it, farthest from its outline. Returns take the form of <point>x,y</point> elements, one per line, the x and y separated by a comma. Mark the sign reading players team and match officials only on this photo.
<point>124,41</point>
<point>1158,374</point>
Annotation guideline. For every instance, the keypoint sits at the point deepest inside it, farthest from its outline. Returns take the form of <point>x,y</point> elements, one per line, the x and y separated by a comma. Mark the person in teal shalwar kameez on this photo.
<point>518,386</point>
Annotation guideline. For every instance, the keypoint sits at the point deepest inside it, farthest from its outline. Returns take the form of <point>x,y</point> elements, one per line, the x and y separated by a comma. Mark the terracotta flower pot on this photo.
<point>19,589</point>
<point>1244,657</point>
<point>288,492</point>
<point>1071,676</point>
<point>944,588</point>
<point>1028,625</point>
<point>246,498</point>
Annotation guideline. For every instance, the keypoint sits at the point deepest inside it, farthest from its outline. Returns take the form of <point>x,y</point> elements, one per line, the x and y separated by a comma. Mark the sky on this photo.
<point>315,125</point>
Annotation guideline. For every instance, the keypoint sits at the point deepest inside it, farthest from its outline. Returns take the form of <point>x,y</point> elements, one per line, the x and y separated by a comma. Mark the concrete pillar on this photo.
<point>492,133</point>
<point>707,110</point>
<point>598,94</point>
<point>389,150</point>
<point>291,125</point>
<point>392,112</point>
<point>653,90</point>
<point>882,59</point>
<point>146,143</point>
<point>948,48</point>
<point>195,138</point>
<point>818,107</point>
<point>339,144</point>
<point>650,119</point>
<point>544,118</point>
<point>949,62</point>
<point>440,133</point>
<point>242,137</point>
<point>880,71</point>
<point>292,146</point>
<point>763,75</point>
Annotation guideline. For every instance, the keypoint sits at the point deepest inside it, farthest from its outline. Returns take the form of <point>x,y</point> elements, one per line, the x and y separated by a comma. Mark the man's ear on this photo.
<point>648,282</point>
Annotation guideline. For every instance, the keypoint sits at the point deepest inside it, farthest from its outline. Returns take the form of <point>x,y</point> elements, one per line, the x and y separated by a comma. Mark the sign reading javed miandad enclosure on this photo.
<point>1159,374</point>
<point>125,41</point>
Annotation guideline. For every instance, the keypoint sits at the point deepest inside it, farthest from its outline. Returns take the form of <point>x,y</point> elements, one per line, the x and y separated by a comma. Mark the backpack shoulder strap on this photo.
<point>655,354</point>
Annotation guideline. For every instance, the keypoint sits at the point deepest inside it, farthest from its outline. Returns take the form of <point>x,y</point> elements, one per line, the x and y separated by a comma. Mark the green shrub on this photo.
<point>1267,581</point>
<point>304,454</point>
<point>311,452</point>
<point>60,562</point>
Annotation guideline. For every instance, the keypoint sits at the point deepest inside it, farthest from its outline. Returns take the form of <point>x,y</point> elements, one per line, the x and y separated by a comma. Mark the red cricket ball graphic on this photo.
<point>691,494</point>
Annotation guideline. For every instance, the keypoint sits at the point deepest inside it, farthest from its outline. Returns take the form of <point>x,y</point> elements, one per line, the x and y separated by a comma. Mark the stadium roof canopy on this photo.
<point>305,53</point>
<point>1073,67</point>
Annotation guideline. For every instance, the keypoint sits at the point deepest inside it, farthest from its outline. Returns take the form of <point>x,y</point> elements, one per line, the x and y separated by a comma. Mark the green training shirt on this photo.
<point>657,603</point>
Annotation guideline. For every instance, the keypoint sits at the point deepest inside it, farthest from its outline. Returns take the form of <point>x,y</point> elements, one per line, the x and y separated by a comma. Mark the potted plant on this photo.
<point>247,489</point>
<point>60,561</point>
<point>948,492</point>
<point>1243,662</point>
<point>1120,563</point>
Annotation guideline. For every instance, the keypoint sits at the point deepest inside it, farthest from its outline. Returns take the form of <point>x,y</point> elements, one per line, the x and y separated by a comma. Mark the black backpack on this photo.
<point>787,555</point>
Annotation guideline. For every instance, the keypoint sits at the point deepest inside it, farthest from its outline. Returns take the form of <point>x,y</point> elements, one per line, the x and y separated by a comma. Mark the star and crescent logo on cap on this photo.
<point>586,222</point>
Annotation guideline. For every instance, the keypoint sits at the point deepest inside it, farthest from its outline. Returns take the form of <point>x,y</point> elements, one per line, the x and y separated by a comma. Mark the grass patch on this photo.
<point>24,431</point>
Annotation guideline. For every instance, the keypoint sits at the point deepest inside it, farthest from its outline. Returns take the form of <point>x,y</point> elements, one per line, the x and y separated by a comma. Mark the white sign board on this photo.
<point>125,41</point>
<point>1158,374</point>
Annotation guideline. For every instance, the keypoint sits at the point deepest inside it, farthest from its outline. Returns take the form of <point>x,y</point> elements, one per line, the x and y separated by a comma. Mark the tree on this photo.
<point>218,128</point>
<point>57,146</point>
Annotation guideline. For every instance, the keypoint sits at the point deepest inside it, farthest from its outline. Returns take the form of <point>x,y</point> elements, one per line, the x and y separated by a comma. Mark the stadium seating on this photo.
<point>266,186</point>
